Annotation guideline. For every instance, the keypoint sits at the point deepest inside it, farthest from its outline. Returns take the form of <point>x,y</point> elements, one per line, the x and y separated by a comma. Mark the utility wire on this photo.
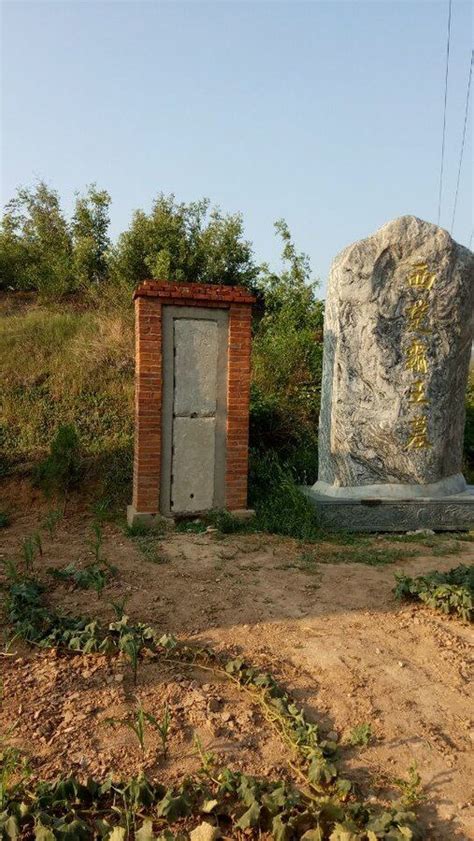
<point>443,142</point>
<point>466,113</point>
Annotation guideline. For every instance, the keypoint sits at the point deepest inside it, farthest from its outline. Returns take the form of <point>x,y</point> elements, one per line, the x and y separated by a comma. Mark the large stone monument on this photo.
<point>397,347</point>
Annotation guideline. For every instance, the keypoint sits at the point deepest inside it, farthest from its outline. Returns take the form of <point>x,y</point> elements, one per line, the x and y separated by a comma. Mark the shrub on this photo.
<point>450,592</point>
<point>61,468</point>
<point>280,506</point>
<point>469,431</point>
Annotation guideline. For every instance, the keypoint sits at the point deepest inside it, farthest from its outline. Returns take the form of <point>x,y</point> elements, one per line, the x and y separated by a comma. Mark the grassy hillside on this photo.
<point>66,365</point>
<point>74,365</point>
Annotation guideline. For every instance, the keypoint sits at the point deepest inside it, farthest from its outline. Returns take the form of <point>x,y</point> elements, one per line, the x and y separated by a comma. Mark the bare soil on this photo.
<point>329,630</point>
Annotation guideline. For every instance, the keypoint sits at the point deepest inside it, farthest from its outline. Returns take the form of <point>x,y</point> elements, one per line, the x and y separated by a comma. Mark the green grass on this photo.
<point>370,555</point>
<point>145,539</point>
<point>69,367</point>
<point>4,519</point>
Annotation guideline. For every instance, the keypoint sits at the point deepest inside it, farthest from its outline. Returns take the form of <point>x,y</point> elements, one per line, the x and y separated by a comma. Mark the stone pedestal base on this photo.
<point>454,512</point>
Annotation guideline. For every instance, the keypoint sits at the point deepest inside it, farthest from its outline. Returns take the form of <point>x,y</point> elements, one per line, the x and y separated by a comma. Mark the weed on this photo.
<point>361,734</point>
<point>145,539</point>
<point>4,519</point>
<point>162,726</point>
<point>370,555</point>
<point>136,724</point>
<point>411,788</point>
<point>226,523</point>
<point>96,541</point>
<point>119,607</point>
<point>91,577</point>
<point>61,468</point>
<point>250,803</point>
<point>445,549</point>
<point>150,551</point>
<point>142,530</point>
<point>449,592</point>
<point>308,562</point>
<point>11,569</point>
<point>14,770</point>
<point>51,521</point>
<point>31,546</point>
<point>101,509</point>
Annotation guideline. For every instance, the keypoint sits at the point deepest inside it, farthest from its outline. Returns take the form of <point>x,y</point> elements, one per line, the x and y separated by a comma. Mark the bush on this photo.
<point>61,469</point>
<point>469,431</point>
<point>280,506</point>
<point>287,361</point>
<point>450,592</point>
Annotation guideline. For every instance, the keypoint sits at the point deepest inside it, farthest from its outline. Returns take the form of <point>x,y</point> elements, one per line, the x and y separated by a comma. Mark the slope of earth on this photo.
<point>324,623</point>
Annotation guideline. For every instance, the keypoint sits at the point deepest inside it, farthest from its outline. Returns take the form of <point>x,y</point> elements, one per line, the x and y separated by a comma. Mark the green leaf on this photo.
<point>76,831</point>
<point>312,835</point>
<point>117,834</point>
<point>9,827</point>
<point>381,823</point>
<point>145,833</point>
<point>343,787</point>
<point>280,831</point>
<point>208,806</point>
<point>250,818</point>
<point>43,833</point>
<point>346,831</point>
<point>173,807</point>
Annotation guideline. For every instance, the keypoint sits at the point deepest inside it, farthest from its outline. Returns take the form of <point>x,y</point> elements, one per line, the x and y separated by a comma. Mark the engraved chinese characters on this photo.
<point>421,281</point>
<point>397,343</point>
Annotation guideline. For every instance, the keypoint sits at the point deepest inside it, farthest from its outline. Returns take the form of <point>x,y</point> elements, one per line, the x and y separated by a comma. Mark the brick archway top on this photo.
<point>178,293</point>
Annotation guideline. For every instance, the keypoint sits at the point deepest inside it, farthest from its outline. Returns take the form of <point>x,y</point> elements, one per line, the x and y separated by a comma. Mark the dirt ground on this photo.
<point>329,630</point>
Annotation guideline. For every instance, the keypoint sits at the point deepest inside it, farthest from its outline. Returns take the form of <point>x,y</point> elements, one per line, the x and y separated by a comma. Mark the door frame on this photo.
<point>221,318</point>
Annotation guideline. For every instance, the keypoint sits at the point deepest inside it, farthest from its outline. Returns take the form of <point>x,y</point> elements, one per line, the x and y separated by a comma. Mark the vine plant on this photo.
<point>322,806</point>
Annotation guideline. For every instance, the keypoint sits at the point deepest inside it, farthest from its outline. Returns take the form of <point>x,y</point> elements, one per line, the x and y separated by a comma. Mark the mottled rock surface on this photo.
<point>398,332</point>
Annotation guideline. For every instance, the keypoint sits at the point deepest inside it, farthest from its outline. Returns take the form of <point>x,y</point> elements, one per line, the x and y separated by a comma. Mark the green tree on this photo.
<point>287,358</point>
<point>35,243</point>
<point>183,242</point>
<point>90,235</point>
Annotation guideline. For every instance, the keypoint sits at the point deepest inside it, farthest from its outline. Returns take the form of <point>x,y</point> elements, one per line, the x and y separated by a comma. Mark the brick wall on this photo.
<point>150,297</point>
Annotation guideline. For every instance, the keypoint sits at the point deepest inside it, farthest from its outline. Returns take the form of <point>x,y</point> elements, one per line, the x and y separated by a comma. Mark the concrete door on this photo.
<point>194,409</point>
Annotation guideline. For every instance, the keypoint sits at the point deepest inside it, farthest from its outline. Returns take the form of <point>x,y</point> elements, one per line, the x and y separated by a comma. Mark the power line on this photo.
<point>443,142</point>
<point>466,113</point>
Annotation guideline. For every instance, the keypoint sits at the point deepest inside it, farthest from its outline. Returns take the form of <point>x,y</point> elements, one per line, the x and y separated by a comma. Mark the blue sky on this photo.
<point>328,114</point>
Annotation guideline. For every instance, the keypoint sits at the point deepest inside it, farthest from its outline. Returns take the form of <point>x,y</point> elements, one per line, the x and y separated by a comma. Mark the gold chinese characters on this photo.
<point>419,433</point>
<point>421,280</point>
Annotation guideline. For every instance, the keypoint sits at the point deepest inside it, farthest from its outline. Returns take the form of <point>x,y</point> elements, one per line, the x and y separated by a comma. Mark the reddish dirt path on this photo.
<point>331,632</point>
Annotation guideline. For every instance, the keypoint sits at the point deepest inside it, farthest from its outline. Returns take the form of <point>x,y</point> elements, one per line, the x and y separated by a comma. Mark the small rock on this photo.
<point>214,705</point>
<point>332,736</point>
<point>420,531</point>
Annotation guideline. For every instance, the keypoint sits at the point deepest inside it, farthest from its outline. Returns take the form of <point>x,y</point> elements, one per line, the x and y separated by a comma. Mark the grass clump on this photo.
<point>370,555</point>
<point>280,506</point>
<point>145,539</point>
<point>361,734</point>
<point>448,592</point>
<point>60,469</point>
<point>4,519</point>
<point>94,576</point>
